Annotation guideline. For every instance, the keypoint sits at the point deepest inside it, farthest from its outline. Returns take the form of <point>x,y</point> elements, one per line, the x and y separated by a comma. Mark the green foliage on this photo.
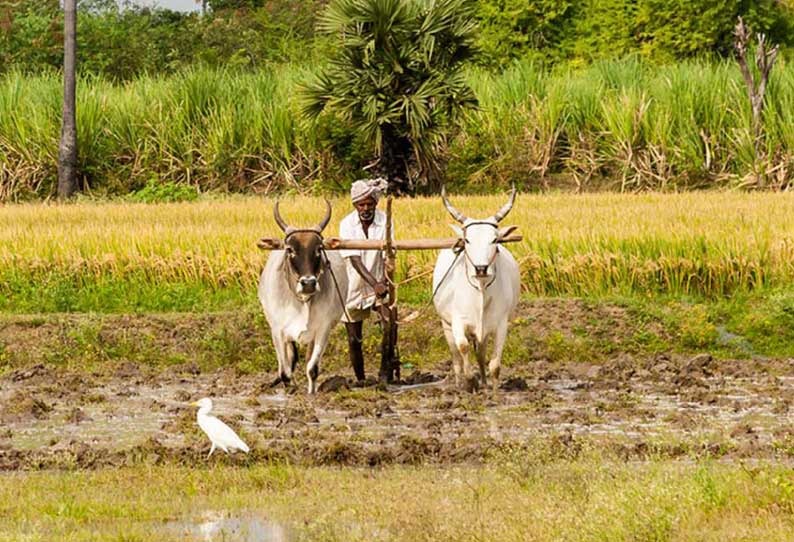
<point>64,292</point>
<point>696,329</point>
<point>126,43</point>
<point>396,75</point>
<point>766,324</point>
<point>660,30</point>
<point>674,29</point>
<point>626,125</point>
<point>511,29</point>
<point>157,191</point>
<point>30,34</point>
<point>123,44</point>
<point>604,29</point>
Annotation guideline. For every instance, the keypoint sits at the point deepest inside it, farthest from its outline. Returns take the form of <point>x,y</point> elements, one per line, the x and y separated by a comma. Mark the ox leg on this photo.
<point>313,365</point>
<point>287,354</point>
<point>496,359</point>
<point>457,361</point>
<point>464,346</point>
<point>279,347</point>
<point>314,372</point>
<point>482,353</point>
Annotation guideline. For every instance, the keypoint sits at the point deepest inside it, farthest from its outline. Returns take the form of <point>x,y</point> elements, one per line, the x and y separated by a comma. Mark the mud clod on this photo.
<point>127,370</point>
<point>21,407</point>
<point>334,384</point>
<point>514,384</point>
<point>19,375</point>
<point>77,415</point>
<point>419,377</point>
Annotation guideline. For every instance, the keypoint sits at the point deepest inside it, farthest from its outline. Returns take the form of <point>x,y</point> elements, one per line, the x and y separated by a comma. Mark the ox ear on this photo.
<point>504,232</point>
<point>457,229</point>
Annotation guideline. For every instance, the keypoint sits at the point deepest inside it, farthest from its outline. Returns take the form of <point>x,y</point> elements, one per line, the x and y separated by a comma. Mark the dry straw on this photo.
<point>696,243</point>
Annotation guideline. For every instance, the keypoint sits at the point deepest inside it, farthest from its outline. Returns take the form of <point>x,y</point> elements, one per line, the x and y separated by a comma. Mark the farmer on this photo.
<point>365,268</point>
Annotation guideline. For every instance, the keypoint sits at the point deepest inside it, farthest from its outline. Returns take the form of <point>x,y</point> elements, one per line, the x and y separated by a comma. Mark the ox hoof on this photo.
<point>471,384</point>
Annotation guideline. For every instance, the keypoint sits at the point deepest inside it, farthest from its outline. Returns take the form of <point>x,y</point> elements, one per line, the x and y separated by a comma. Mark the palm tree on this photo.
<point>397,75</point>
<point>67,151</point>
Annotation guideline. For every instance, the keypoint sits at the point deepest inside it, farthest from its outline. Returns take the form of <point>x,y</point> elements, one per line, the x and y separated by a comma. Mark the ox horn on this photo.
<point>280,221</point>
<point>457,215</point>
<point>501,213</point>
<point>324,222</point>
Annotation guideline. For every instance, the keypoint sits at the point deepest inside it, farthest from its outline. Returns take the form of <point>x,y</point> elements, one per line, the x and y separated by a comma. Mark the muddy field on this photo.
<point>665,406</point>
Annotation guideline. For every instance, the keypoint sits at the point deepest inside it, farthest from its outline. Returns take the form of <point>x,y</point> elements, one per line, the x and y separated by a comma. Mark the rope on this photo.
<point>338,292</point>
<point>411,279</point>
<point>427,305</point>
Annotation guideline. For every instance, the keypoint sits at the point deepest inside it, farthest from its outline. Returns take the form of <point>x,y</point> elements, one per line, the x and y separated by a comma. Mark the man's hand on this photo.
<point>380,286</point>
<point>381,289</point>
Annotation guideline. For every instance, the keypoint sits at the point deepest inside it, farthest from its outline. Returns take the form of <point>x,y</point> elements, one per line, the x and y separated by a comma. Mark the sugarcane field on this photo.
<point>396,270</point>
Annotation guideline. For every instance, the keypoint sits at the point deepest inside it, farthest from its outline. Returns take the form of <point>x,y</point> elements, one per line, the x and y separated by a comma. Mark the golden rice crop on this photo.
<point>708,243</point>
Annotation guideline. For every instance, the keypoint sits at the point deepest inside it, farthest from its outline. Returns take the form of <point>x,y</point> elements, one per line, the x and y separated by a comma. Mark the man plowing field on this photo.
<point>366,273</point>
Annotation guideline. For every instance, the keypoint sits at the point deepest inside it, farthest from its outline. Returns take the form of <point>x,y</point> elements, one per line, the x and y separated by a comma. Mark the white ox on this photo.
<point>302,289</point>
<point>476,291</point>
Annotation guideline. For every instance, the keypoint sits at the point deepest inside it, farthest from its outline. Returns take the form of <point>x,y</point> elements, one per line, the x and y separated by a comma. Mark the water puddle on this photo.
<point>214,526</point>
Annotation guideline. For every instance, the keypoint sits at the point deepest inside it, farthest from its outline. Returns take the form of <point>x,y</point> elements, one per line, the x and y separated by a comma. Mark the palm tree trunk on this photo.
<point>67,152</point>
<point>394,162</point>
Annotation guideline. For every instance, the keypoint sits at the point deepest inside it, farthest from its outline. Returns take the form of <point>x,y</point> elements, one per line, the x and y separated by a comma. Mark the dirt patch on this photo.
<point>669,405</point>
<point>22,407</point>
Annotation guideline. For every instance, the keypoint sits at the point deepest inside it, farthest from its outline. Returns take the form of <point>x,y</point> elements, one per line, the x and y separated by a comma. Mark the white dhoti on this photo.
<point>360,295</point>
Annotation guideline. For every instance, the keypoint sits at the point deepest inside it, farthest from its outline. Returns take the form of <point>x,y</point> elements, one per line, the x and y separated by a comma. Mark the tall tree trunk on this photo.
<point>765,57</point>
<point>394,162</point>
<point>67,152</point>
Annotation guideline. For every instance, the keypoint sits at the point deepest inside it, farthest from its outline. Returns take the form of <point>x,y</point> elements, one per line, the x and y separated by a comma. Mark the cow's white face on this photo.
<point>481,239</point>
<point>481,244</point>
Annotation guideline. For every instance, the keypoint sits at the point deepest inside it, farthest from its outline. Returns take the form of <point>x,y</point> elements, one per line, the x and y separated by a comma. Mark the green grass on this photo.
<point>620,123</point>
<point>594,330</point>
<point>515,498</point>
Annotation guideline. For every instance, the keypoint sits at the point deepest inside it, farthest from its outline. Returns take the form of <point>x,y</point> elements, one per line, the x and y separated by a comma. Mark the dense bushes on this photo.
<point>628,124</point>
<point>209,101</point>
<point>250,33</point>
<point>659,30</point>
<point>123,44</point>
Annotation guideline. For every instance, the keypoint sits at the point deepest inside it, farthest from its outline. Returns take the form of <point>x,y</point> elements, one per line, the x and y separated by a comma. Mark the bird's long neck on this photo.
<point>203,411</point>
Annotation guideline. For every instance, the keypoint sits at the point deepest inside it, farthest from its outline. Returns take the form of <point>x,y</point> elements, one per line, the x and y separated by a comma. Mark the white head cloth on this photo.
<point>366,188</point>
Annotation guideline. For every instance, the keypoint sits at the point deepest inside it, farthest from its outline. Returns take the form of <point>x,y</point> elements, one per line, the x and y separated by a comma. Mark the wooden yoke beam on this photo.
<point>335,243</point>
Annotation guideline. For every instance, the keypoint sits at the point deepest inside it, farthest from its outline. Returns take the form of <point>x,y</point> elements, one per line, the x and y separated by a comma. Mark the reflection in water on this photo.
<point>218,526</point>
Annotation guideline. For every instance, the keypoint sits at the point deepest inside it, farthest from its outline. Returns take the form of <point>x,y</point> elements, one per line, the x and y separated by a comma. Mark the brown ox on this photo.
<point>302,289</point>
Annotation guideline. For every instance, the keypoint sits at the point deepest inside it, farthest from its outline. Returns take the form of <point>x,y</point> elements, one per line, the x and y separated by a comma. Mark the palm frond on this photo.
<point>397,71</point>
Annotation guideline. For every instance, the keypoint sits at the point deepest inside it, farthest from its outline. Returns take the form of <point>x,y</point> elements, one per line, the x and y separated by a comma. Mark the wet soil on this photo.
<point>665,405</point>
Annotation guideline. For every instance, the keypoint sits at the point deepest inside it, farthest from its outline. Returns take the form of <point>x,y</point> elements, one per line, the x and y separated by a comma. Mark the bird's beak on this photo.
<point>194,403</point>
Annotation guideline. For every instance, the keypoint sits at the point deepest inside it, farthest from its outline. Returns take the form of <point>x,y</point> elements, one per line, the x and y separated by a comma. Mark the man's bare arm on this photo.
<point>380,287</point>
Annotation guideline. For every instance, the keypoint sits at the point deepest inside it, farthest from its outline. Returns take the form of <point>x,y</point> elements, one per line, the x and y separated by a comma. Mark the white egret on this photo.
<point>220,434</point>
